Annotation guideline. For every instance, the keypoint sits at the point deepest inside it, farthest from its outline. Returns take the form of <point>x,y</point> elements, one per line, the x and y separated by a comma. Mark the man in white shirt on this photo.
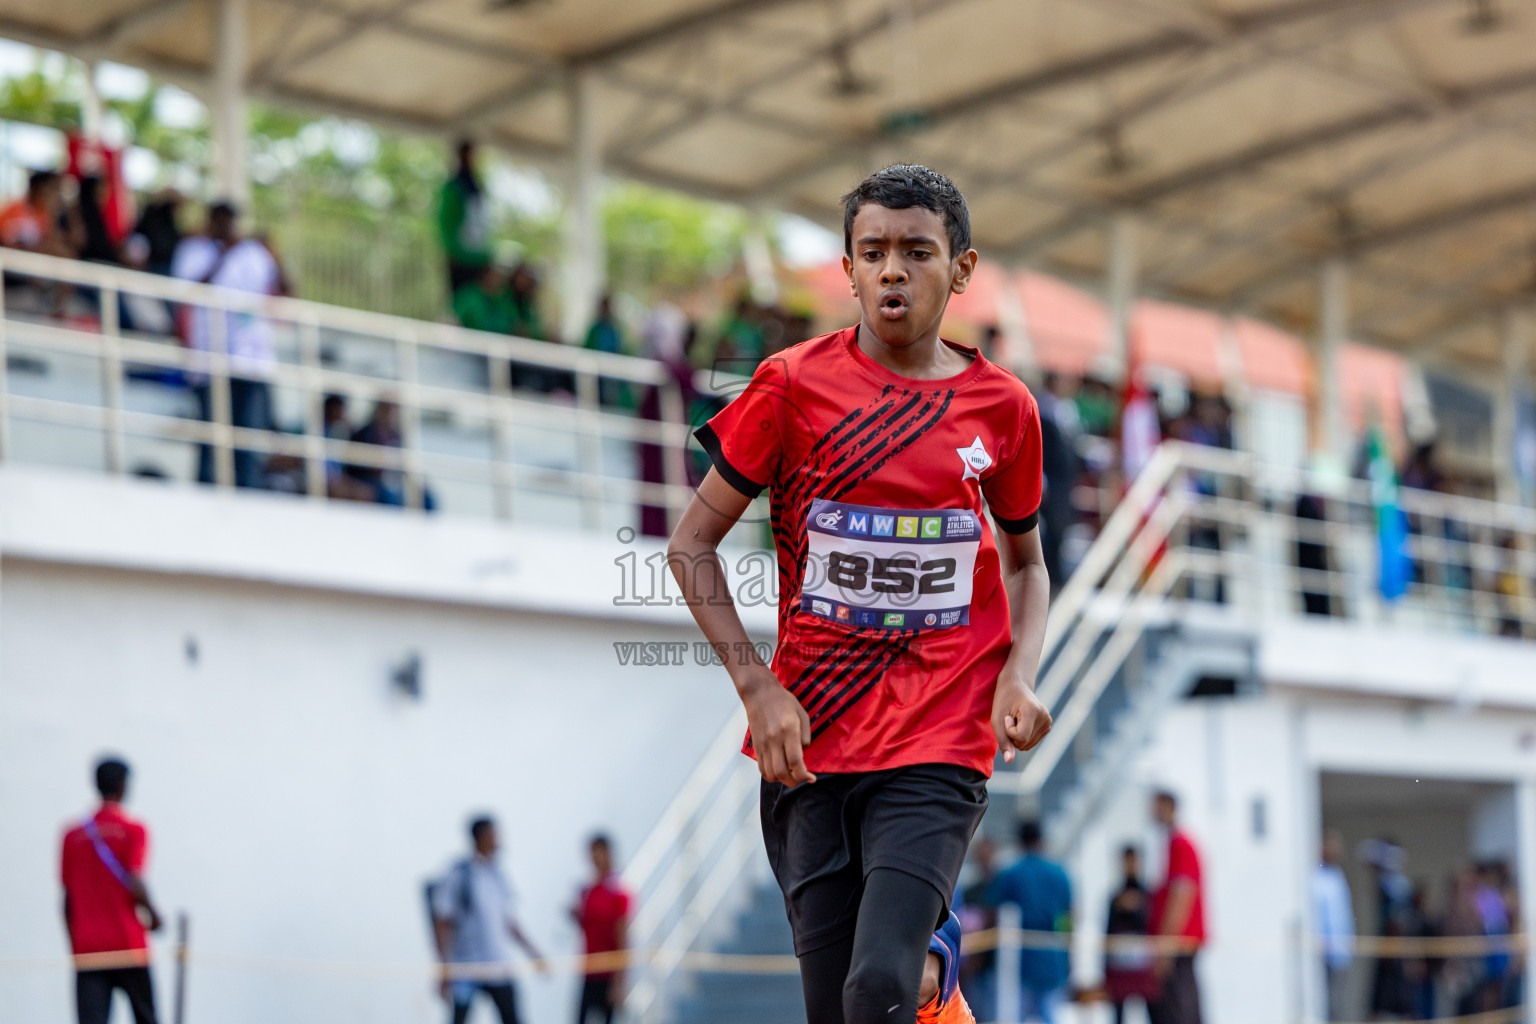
<point>1335,923</point>
<point>221,257</point>
<point>473,916</point>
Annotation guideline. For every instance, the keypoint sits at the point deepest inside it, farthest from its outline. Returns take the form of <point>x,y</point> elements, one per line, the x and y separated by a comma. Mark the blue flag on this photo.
<point>1394,566</point>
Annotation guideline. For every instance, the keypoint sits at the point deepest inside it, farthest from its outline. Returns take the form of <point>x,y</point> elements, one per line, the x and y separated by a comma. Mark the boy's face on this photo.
<point>902,271</point>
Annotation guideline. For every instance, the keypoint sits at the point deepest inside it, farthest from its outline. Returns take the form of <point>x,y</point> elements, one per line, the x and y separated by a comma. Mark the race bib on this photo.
<point>889,568</point>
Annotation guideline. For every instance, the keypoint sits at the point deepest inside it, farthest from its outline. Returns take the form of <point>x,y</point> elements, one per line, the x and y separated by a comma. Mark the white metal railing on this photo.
<point>487,433</point>
<point>1215,527</point>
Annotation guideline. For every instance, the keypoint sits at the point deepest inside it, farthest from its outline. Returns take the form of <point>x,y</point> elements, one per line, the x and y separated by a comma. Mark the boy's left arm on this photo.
<point>1019,720</point>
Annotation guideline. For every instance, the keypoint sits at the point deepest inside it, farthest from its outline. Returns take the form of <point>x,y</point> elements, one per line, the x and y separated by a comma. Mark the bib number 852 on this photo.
<point>895,575</point>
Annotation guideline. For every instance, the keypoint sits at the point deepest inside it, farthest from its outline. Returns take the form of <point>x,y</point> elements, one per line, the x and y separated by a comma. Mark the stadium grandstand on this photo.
<point>1269,266</point>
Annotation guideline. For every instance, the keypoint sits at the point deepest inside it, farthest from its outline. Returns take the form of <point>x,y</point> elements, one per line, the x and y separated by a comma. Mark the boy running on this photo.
<point>908,637</point>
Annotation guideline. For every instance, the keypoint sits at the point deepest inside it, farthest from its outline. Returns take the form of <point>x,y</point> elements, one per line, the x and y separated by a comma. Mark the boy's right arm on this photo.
<point>780,727</point>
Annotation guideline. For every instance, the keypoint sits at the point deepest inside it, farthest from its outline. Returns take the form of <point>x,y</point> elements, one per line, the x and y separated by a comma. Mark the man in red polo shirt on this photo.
<point>106,906</point>
<point>1178,917</point>
<point>602,910</point>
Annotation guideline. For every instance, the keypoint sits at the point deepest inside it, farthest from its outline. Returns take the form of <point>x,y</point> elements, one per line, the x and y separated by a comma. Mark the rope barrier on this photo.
<point>1364,946</point>
<point>1511,1015</point>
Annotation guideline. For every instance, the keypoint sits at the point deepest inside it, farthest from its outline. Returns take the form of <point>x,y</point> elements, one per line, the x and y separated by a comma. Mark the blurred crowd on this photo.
<point>502,295</point>
<point>1391,968</point>
<point>70,216</point>
<point>1097,433</point>
<point>1153,933</point>
<point>1479,900</point>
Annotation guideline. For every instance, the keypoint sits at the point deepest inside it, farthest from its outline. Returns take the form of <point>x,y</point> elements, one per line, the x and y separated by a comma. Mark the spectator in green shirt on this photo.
<point>529,324</point>
<point>741,338</point>
<point>463,222</point>
<point>485,302</point>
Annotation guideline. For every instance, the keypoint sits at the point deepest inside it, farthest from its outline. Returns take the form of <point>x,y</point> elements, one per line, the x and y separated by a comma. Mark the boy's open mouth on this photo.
<point>893,305</point>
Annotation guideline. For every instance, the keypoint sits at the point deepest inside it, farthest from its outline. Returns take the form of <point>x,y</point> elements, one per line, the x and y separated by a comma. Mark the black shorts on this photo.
<point>824,838</point>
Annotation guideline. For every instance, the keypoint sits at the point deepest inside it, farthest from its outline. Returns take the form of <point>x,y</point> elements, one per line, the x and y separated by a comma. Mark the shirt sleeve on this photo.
<point>745,440</point>
<point>136,849</point>
<point>1013,492</point>
<point>1182,860</point>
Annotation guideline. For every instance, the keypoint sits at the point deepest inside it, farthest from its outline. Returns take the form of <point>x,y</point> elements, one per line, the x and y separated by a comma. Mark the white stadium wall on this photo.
<point>1250,771</point>
<point>297,799</point>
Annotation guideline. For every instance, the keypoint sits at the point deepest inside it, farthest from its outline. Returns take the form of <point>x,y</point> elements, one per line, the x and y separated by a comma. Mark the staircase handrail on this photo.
<point>1073,598</point>
<point>690,797</point>
<point>1128,630</point>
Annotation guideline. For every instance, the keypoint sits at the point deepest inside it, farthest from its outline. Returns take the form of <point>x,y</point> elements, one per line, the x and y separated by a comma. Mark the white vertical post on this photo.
<point>674,434</point>
<point>5,383</point>
<point>1013,325</point>
<point>1515,344</point>
<point>315,482</point>
<point>589,445</point>
<point>503,475</point>
<point>228,106</point>
<point>1311,991</point>
<point>1333,331</point>
<point>1009,951</point>
<point>584,255</point>
<point>757,257</point>
<point>220,397</point>
<point>1525,874</point>
<point>407,350</point>
<point>1120,285</point>
<point>90,103</point>
<point>112,380</point>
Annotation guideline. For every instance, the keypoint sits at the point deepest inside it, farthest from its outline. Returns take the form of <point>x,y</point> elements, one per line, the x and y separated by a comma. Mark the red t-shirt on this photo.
<point>893,621</point>
<point>1183,862</point>
<point>102,918</point>
<point>603,907</point>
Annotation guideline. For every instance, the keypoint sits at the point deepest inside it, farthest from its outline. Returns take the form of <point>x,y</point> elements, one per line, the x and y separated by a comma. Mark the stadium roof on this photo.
<point>1251,138</point>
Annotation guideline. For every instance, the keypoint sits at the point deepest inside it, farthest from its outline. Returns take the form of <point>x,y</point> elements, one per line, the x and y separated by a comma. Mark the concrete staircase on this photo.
<point>760,928</point>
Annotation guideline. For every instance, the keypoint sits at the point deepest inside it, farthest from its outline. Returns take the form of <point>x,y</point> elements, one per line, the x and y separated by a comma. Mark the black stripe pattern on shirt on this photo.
<point>853,450</point>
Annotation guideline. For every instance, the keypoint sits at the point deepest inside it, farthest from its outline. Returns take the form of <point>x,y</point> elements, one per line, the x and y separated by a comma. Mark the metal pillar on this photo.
<point>1309,992</point>
<point>1514,346</point>
<point>1333,330</point>
<point>585,259</point>
<point>90,103</point>
<point>1013,326</point>
<point>757,257</point>
<point>228,102</point>
<point>1120,286</point>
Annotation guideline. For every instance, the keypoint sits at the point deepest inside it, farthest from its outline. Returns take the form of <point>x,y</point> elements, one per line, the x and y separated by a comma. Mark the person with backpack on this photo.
<point>106,905</point>
<point>473,913</point>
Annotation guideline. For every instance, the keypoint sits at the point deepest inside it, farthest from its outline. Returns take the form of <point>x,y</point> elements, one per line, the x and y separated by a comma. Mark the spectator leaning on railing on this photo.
<point>35,222</point>
<point>221,257</point>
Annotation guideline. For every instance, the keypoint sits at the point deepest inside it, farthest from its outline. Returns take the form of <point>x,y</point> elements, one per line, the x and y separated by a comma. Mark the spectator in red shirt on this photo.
<point>602,910</point>
<point>1178,919</point>
<point>106,906</point>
